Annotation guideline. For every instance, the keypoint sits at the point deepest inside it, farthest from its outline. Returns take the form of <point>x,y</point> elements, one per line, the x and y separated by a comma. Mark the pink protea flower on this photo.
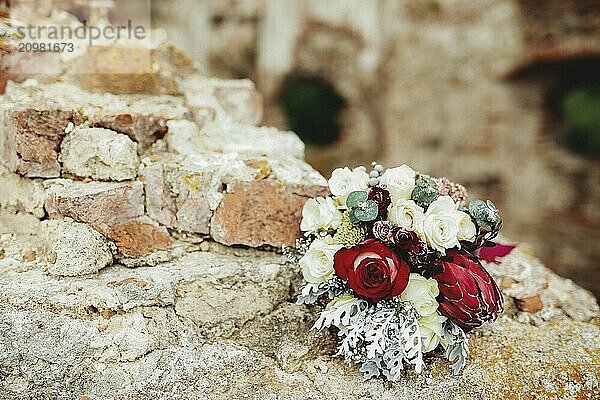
<point>469,295</point>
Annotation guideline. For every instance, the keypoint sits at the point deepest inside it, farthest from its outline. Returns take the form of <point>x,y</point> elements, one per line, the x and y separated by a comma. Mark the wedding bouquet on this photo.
<point>391,261</point>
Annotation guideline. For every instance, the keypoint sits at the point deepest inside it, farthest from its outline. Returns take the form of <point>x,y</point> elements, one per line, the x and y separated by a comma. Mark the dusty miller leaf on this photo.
<point>339,315</point>
<point>457,346</point>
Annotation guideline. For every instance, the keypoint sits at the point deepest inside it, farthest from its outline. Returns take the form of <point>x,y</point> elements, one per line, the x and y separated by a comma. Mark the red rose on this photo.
<point>372,269</point>
<point>469,294</point>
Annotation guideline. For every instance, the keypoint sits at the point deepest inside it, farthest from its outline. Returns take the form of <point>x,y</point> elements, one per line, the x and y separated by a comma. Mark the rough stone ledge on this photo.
<point>212,279</point>
<point>218,324</point>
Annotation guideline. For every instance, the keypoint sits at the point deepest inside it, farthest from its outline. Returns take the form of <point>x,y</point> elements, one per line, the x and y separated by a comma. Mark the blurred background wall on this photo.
<point>500,95</point>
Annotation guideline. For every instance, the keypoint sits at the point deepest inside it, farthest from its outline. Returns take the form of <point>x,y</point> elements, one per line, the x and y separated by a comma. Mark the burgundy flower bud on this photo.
<point>405,239</point>
<point>382,230</point>
<point>424,261</point>
<point>382,197</point>
<point>425,256</point>
<point>468,294</point>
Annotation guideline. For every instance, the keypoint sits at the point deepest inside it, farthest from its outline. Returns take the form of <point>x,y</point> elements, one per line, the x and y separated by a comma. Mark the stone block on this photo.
<point>530,303</point>
<point>99,154</point>
<point>30,139</point>
<point>113,209</point>
<point>226,136</point>
<point>74,248</point>
<point>139,236</point>
<point>19,194</point>
<point>123,69</point>
<point>160,205</point>
<point>240,99</point>
<point>193,203</point>
<point>142,118</point>
<point>209,98</point>
<point>102,205</point>
<point>260,213</point>
<point>183,192</point>
<point>144,129</point>
<point>186,137</point>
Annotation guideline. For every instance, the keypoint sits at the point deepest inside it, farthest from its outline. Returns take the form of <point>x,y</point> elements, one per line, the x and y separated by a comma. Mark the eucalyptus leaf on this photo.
<point>355,199</point>
<point>368,211</point>
<point>352,216</point>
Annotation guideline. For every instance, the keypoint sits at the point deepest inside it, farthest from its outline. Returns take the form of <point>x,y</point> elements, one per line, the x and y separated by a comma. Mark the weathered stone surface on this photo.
<point>100,154</point>
<point>530,278</point>
<point>184,191</point>
<point>139,236</point>
<point>210,98</point>
<point>182,194</point>
<point>18,194</point>
<point>285,335</point>
<point>217,326</point>
<point>102,205</point>
<point>142,118</point>
<point>30,255</point>
<point>240,99</point>
<point>114,209</point>
<point>131,69</point>
<point>193,203</point>
<point>226,136</point>
<point>74,249</point>
<point>259,213</point>
<point>531,303</point>
<point>184,137</point>
<point>13,225</point>
<point>160,205</point>
<point>65,96</point>
<point>144,129</point>
<point>30,139</point>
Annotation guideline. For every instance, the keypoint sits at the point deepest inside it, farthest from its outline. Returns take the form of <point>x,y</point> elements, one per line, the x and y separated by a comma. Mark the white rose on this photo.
<point>466,228</point>
<point>421,292</point>
<point>343,181</point>
<point>400,182</point>
<point>317,263</point>
<point>441,224</point>
<point>406,214</point>
<point>441,231</point>
<point>442,203</point>
<point>320,214</point>
<point>432,331</point>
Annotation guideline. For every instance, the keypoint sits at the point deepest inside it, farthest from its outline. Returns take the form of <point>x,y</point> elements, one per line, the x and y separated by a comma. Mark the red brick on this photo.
<point>143,129</point>
<point>139,236</point>
<point>261,213</point>
<point>102,205</point>
<point>30,140</point>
